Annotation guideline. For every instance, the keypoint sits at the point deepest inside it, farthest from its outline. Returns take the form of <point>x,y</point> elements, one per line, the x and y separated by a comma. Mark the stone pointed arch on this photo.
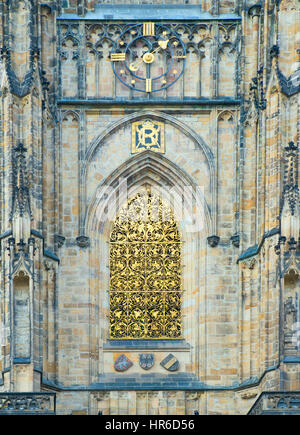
<point>226,115</point>
<point>145,168</point>
<point>73,114</point>
<point>23,265</point>
<point>160,116</point>
<point>194,137</point>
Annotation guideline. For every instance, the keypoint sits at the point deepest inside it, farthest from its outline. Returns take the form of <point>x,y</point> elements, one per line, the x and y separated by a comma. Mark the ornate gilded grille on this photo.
<point>145,271</point>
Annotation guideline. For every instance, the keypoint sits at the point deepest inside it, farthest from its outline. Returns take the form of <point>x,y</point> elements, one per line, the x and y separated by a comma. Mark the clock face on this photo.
<point>148,57</point>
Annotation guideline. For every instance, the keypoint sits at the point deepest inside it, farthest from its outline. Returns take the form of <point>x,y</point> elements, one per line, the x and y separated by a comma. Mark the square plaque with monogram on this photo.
<point>148,134</point>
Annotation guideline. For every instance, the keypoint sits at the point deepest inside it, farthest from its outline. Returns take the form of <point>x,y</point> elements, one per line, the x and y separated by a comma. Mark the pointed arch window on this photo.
<point>145,271</point>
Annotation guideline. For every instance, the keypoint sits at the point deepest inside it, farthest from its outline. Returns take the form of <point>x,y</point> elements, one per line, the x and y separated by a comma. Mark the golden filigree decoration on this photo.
<point>145,271</point>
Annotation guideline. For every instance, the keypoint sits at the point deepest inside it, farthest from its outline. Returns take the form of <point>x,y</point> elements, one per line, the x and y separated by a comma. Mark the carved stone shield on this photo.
<point>122,363</point>
<point>146,360</point>
<point>170,363</point>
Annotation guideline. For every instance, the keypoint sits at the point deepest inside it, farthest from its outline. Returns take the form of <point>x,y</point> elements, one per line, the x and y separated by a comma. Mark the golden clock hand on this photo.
<point>148,56</point>
<point>133,65</point>
<point>161,44</point>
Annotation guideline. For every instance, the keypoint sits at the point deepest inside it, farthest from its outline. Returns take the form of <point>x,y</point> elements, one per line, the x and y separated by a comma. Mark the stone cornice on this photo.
<point>159,102</point>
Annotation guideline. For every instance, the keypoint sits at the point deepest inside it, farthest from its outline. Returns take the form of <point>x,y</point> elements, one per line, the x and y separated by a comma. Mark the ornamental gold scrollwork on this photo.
<point>145,271</point>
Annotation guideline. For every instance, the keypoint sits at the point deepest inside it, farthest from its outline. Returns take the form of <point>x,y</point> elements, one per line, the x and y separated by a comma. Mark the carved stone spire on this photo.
<point>21,210</point>
<point>21,197</point>
<point>290,197</point>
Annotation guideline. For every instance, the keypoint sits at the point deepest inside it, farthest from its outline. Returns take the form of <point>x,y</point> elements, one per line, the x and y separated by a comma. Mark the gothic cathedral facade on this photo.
<point>150,219</point>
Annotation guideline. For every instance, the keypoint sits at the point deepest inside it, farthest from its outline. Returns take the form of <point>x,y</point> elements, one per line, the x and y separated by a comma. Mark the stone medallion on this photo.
<point>170,363</point>
<point>146,360</point>
<point>122,363</point>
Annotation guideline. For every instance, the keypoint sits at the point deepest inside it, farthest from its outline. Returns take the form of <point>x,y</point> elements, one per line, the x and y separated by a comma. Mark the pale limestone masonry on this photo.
<point>231,126</point>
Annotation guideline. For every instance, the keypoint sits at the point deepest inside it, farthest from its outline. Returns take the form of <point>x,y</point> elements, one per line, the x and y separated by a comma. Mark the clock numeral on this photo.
<point>115,57</point>
<point>148,85</point>
<point>148,29</point>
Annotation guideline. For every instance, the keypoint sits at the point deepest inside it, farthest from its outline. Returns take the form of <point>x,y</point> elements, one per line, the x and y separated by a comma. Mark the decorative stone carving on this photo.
<point>19,46</point>
<point>235,240</point>
<point>277,249</point>
<point>21,255</point>
<point>47,265</point>
<point>291,332</point>
<point>291,261</point>
<point>274,51</point>
<point>83,241</point>
<point>281,402</point>
<point>282,240</point>
<point>257,91</point>
<point>254,11</point>
<point>249,263</point>
<point>21,197</point>
<point>290,314</point>
<point>59,240</point>
<point>290,213</point>
<point>50,268</point>
<point>213,241</point>
<point>250,394</point>
<point>27,403</point>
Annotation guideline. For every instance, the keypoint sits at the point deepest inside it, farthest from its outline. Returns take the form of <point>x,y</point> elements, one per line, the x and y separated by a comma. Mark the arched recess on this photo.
<point>288,13</point>
<point>21,316</point>
<point>186,130</point>
<point>149,169</point>
<point>291,312</point>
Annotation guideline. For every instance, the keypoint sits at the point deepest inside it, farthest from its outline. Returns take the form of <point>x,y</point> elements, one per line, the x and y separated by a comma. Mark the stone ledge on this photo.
<point>255,249</point>
<point>156,12</point>
<point>157,381</point>
<point>146,344</point>
<point>291,360</point>
<point>203,101</point>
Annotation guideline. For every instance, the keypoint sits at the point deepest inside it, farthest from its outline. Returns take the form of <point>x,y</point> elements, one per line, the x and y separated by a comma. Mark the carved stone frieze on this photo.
<point>27,403</point>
